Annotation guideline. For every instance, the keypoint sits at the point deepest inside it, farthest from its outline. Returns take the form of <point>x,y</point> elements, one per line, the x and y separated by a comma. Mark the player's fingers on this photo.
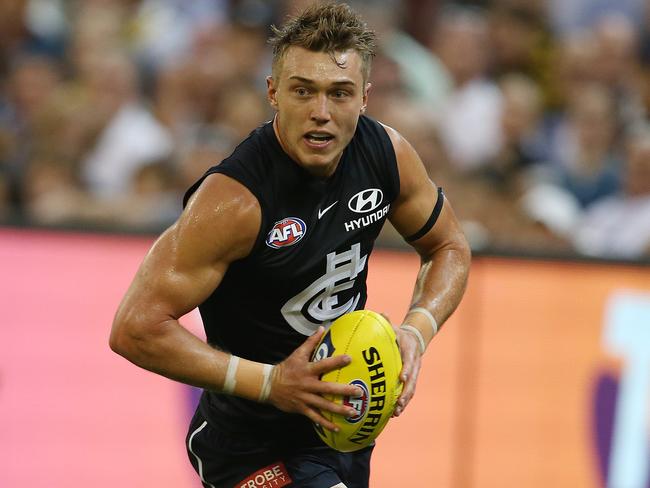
<point>338,389</point>
<point>307,347</point>
<point>407,368</point>
<point>408,391</point>
<point>411,383</point>
<point>317,418</point>
<point>322,404</point>
<point>330,364</point>
<point>409,387</point>
<point>409,351</point>
<point>409,359</point>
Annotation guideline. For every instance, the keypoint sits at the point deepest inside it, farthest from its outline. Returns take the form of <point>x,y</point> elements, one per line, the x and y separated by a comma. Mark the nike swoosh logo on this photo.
<point>322,212</point>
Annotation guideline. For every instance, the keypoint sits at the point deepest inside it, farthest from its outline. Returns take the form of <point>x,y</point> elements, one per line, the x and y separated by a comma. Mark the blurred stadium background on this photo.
<point>534,115</point>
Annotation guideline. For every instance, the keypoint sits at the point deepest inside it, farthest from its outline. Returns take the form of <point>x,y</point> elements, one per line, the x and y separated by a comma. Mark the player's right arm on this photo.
<point>183,267</point>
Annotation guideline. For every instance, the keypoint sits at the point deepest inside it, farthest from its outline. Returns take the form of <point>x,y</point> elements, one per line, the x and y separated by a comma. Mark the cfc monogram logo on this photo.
<point>321,297</point>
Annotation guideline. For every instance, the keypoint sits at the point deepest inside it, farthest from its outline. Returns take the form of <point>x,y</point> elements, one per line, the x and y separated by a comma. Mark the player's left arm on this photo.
<point>445,259</point>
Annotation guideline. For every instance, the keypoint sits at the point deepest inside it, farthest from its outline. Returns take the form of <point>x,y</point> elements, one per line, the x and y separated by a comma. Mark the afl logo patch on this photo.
<point>359,403</point>
<point>366,200</point>
<point>286,232</point>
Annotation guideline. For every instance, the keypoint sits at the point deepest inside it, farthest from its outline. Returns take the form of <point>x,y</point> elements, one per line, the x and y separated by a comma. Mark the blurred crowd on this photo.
<point>533,115</point>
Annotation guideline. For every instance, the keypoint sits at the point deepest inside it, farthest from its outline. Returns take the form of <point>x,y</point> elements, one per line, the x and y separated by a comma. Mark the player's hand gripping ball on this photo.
<point>369,339</point>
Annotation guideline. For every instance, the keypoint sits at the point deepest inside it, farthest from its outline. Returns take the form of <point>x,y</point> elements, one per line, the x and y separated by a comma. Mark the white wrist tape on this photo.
<point>230,381</point>
<point>427,314</point>
<point>417,334</point>
<point>266,384</point>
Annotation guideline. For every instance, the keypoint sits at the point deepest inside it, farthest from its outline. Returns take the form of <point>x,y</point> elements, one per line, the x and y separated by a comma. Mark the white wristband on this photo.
<point>427,314</point>
<point>417,334</point>
<point>266,384</point>
<point>230,381</point>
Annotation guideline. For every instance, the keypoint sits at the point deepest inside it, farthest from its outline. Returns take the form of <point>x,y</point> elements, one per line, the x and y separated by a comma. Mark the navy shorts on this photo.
<point>224,461</point>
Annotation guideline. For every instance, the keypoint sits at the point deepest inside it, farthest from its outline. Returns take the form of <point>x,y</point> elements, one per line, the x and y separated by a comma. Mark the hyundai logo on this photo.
<point>366,200</point>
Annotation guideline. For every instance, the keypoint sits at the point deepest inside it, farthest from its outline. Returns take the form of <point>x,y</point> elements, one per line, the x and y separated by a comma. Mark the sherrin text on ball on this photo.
<point>369,339</point>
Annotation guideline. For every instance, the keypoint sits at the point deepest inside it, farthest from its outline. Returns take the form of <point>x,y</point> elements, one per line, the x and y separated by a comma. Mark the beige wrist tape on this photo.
<point>417,334</point>
<point>230,382</point>
<point>427,314</point>
<point>248,379</point>
<point>266,383</point>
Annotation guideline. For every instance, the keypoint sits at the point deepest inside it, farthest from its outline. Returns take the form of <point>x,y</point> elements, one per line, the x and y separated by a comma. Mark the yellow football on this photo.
<point>369,339</point>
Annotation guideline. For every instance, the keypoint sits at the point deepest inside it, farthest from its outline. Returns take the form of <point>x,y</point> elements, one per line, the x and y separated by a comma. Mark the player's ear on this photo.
<point>366,91</point>
<point>271,92</point>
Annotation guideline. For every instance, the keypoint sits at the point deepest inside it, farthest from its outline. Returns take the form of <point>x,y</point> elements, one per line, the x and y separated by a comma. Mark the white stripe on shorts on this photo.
<point>198,459</point>
<point>339,485</point>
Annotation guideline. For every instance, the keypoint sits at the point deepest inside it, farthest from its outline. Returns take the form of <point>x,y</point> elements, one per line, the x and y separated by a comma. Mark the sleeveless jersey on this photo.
<point>308,265</point>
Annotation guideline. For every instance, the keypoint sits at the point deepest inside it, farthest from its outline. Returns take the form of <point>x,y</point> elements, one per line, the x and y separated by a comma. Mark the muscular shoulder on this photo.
<point>222,218</point>
<point>399,143</point>
<point>412,173</point>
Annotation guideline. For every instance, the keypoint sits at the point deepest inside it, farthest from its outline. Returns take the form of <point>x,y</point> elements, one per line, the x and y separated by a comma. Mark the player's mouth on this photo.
<point>318,139</point>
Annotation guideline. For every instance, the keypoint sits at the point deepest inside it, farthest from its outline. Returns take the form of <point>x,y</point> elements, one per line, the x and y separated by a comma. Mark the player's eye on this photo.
<point>340,94</point>
<point>301,91</point>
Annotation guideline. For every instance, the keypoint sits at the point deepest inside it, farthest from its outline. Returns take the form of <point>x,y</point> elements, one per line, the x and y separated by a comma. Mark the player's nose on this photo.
<point>320,111</point>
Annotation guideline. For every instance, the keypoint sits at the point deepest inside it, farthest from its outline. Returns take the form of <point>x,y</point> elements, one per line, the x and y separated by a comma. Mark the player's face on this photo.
<point>318,105</point>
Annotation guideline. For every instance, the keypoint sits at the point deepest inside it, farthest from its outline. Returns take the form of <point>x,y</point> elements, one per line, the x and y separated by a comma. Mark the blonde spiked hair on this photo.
<point>328,27</point>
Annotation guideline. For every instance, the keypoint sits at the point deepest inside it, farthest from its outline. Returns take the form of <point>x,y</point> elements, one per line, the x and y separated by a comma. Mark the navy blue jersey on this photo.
<point>309,262</point>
